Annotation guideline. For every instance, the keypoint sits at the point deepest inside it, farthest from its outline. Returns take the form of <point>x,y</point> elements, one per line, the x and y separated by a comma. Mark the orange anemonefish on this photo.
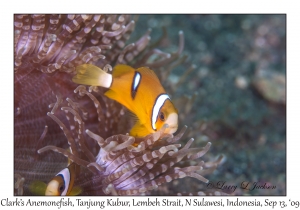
<point>60,184</point>
<point>139,90</point>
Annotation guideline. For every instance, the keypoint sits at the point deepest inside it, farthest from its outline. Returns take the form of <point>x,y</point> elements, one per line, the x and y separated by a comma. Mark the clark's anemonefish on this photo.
<point>61,184</point>
<point>139,90</point>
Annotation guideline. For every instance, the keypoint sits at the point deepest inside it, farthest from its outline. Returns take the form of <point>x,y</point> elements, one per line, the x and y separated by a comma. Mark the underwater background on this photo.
<point>240,95</point>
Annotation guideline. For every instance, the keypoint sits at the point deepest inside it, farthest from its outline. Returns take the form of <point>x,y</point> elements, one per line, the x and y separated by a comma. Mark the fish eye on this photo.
<point>162,116</point>
<point>61,188</point>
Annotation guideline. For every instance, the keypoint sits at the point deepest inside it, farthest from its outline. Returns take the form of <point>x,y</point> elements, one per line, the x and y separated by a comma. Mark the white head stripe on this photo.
<point>65,174</point>
<point>160,100</point>
<point>136,80</point>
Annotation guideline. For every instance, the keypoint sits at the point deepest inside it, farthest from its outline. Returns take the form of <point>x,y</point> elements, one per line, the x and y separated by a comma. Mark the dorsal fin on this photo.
<point>149,72</point>
<point>121,69</point>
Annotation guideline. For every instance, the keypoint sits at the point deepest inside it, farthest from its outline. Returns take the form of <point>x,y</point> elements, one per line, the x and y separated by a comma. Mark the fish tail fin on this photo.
<point>88,74</point>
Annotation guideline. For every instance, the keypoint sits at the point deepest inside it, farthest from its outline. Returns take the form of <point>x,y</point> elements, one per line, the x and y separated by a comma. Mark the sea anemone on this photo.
<point>52,113</point>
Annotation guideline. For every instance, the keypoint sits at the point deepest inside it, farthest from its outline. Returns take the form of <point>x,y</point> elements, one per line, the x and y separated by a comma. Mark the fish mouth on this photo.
<point>171,129</point>
<point>50,192</point>
<point>172,121</point>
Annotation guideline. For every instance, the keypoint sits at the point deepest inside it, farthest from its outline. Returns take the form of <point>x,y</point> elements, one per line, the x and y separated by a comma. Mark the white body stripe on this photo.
<point>65,173</point>
<point>157,105</point>
<point>136,81</point>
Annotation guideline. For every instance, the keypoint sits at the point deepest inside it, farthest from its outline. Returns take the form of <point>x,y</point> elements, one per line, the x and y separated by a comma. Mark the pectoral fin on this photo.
<point>37,187</point>
<point>76,191</point>
<point>139,130</point>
